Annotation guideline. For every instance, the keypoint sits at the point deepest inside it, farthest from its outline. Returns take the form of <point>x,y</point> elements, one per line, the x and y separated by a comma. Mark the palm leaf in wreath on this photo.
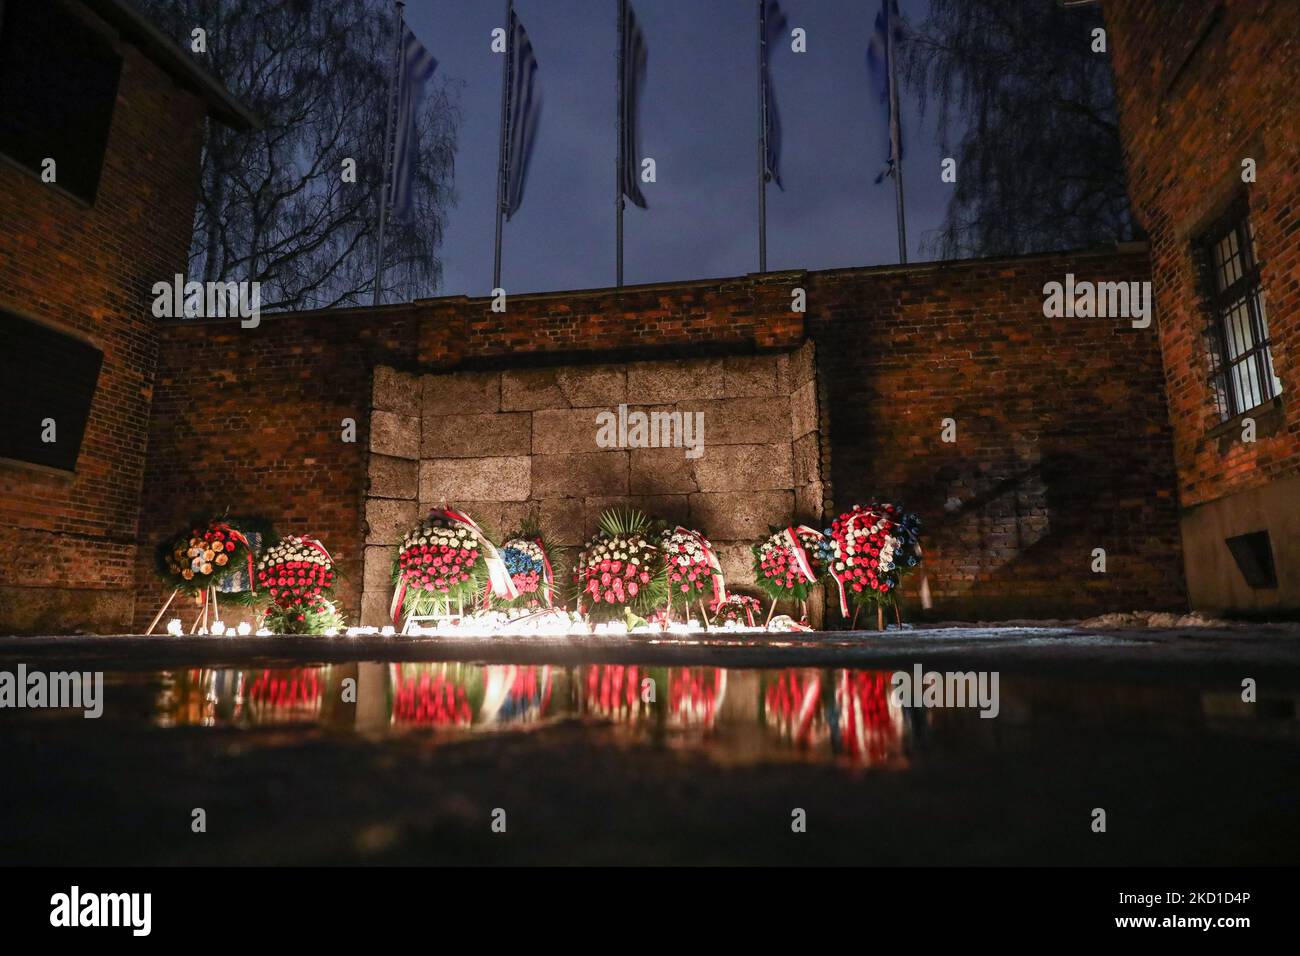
<point>636,527</point>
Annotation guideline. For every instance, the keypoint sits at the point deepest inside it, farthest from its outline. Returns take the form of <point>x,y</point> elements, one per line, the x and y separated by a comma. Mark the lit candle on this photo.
<point>245,629</point>
<point>175,628</point>
<point>218,628</point>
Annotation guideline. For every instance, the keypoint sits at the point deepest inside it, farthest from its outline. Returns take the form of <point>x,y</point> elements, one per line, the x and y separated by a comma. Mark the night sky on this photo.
<point>699,122</point>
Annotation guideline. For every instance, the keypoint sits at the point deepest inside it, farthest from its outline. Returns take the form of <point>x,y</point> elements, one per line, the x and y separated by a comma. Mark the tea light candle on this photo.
<point>244,629</point>
<point>218,628</point>
<point>175,628</point>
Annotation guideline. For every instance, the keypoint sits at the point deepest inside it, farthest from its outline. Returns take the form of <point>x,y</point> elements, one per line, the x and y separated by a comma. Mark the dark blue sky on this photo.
<point>698,121</point>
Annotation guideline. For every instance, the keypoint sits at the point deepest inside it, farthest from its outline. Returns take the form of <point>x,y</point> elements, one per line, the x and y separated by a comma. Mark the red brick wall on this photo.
<point>252,420</point>
<point>750,312</point>
<point>68,542</point>
<point>1063,441</point>
<point>1204,84</point>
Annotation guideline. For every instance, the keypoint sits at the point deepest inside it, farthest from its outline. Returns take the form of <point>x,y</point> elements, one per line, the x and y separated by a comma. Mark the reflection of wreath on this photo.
<point>214,552</point>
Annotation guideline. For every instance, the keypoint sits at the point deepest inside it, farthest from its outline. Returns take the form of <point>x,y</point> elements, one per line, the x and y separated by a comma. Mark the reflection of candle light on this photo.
<point>245,629</point>
<point>175,628</point>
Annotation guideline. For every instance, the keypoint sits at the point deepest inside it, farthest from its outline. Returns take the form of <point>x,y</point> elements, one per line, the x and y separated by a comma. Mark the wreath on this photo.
<point>210,554</point>
<point>529,561</point>
<point>298,574</point>
<point>619,572</point>
<point>692,568</point>
<point>867,551</point>
<point>445,559</point>
<point>738,608</point>
<point>788,563</point>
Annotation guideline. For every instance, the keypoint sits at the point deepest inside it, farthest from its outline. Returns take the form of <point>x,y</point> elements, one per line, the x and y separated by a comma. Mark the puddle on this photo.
<point>731,715</point>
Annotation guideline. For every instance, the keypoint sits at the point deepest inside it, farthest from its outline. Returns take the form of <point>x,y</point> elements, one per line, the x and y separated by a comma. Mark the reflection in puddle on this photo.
<point>737,714</point>
<point>733,715</point>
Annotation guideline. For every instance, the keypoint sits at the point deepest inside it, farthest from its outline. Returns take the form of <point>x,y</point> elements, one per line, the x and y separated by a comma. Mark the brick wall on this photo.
<point>68,541</point>
<point>1204,84</point>
<point>252,420</point>
<point>1063,440</point>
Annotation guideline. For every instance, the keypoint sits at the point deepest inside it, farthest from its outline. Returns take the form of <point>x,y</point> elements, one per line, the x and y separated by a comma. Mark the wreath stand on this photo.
<point>207,597</point>
<point>446,615</point>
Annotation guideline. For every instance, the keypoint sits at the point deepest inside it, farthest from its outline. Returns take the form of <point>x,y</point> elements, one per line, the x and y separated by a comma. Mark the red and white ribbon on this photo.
<point>503,586</point>
<point>715,566</point>
<point>790,536</point>
<point>548,576</point>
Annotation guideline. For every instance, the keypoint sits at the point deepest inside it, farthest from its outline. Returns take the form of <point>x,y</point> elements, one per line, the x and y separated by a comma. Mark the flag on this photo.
<point>523,111</point>
<point>881,69</point>
<point>634,61</point>
<point>774,23</point>
<point>415,67</point>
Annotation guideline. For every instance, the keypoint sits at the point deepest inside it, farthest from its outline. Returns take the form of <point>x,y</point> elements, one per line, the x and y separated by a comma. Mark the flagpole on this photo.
<point>762,136</point>
<point>621,161</point>
<point>897,122</point>
<point>501,154</point>
<point>393,75</point>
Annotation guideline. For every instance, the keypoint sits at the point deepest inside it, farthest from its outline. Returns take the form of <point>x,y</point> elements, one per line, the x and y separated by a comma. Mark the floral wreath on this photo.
<point>619,571</point>
<point>737,607</point>
<point>213,551</point>
<point>446,557</point>
<point>298,574</point>
<point>866,552</point>
<point>692,567</point>
<point>528,561</point>
<point>788,562</point>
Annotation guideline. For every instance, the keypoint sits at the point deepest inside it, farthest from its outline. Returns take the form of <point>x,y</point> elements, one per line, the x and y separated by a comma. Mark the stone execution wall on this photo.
<point>1063,441</point>
<point>516,444</point>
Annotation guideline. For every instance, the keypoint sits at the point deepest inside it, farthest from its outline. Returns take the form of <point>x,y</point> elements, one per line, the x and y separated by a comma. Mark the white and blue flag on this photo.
<point>883,73</point>
<point>524,111</point>
<point>634,64</point>
<point>416,67</point>
<point>774,25</point>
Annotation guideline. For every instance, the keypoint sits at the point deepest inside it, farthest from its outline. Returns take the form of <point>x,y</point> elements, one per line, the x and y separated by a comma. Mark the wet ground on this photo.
<point>372,750</point>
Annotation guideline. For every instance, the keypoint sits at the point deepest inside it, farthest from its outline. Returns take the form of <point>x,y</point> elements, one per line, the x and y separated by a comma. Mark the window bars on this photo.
<point>1241,363</point>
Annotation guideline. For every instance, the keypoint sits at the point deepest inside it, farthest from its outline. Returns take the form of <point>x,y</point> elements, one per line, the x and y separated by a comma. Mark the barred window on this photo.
<point>1240,360</point>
